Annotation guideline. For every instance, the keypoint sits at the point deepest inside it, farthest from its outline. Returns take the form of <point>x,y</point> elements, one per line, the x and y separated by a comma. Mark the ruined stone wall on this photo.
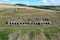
<point>25,22</point>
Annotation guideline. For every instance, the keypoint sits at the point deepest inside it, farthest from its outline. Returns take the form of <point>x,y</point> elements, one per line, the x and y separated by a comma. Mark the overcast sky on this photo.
<point>32,2</point>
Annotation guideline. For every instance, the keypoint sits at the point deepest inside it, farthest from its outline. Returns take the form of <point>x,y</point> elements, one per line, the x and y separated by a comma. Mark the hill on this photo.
<point>42,32</point>
<point>57,8</point>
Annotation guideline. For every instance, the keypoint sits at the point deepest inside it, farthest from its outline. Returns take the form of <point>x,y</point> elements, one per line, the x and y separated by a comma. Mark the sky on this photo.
<point>32,2</point>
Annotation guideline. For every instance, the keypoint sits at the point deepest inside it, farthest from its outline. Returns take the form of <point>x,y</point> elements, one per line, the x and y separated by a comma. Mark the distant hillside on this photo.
<point>42,7</point>
<point>21,4</point>
<point>47,7</point>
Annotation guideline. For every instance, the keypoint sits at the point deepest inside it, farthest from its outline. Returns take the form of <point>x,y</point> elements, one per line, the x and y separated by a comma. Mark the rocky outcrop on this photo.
<point>16,36</point>
<point>39,37</point>
<point>25,37</point>
<point>12,36</point>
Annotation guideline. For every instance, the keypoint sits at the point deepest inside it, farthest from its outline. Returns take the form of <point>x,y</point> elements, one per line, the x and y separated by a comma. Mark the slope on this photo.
<point>46,32</point>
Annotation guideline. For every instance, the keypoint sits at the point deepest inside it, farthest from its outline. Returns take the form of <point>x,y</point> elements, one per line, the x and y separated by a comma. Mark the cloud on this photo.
<point>22,2</point>
<point>44,1</point>
<point>0,2</point>
<point>47,1</point>
<point>53,1</point>
<point>3,0</point>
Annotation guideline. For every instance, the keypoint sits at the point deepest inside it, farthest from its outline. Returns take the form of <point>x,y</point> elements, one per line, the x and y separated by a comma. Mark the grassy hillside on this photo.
<point>48,32</point>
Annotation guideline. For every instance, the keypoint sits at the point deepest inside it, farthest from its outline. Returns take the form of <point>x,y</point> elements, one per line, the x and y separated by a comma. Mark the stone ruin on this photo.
<point>26,22</point>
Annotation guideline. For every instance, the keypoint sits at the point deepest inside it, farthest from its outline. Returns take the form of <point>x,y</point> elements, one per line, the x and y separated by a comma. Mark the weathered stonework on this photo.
<point>26,22</point>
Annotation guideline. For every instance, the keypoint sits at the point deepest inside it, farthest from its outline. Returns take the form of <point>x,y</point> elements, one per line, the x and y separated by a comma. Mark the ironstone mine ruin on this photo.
<point>26,22</point>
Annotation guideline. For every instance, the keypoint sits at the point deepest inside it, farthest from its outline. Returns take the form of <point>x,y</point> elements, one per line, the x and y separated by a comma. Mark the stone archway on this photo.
<point>6,22</point>
<point>10,23</point>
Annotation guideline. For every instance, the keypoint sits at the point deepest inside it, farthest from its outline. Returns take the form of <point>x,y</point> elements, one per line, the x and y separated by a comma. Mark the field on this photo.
<point>47,32</point>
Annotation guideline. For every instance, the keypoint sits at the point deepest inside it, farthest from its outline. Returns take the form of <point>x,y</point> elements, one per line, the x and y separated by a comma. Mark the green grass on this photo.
<point>47,30</point>
<point>50,32</point>
<point>4,35</point>
<point>57,9</point>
